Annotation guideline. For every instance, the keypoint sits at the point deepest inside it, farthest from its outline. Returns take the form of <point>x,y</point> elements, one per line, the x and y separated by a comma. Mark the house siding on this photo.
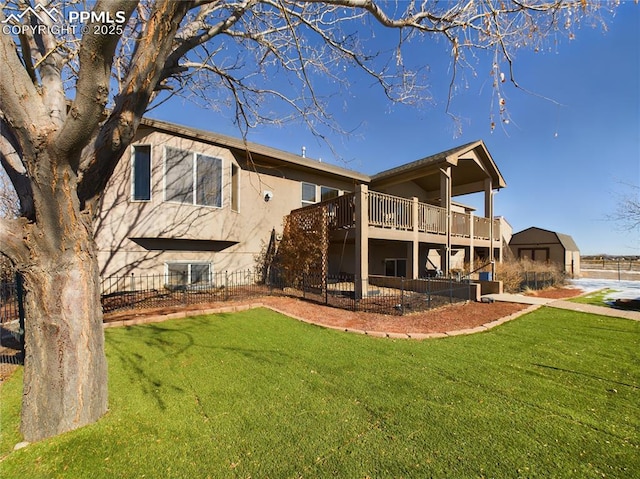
<point>237,236</point>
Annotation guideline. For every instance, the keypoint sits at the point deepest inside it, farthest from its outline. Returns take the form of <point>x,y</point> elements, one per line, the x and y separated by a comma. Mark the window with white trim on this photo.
<point>192,178</point>
<point>189,274</point>
<point>308,194</point>
<point>312,193</point>
<point>141,173</point>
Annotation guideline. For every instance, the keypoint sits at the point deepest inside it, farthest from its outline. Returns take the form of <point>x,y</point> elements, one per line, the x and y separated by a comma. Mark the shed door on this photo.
<point>534,254</point>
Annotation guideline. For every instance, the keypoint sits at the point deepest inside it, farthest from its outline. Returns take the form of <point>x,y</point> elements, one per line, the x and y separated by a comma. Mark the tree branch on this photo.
<point>92,89</point>
<point>19,99</point>
<point>152,49</point>
<point>12,243</point>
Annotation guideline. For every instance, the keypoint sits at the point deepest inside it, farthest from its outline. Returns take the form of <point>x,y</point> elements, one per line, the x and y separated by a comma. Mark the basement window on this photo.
<point>189,274</point>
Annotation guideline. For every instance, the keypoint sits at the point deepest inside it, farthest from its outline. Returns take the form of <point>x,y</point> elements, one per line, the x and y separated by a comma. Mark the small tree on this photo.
<point>71,100</point>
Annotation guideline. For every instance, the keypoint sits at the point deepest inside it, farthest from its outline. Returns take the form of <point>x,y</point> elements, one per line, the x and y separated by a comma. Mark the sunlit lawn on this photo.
<point>256,394</point>
<point>596,298</point>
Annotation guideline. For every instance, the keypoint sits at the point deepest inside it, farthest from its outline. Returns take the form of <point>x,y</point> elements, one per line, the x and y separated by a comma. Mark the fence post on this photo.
<point>356,300</point>
<point>325,286</point>
<point>402,296</point>
<point>619,269</point>
<point>226,285</point>
<point>21,315</point>
<point>132,284</point>
<point>450,290</point>
<point>429,293</point>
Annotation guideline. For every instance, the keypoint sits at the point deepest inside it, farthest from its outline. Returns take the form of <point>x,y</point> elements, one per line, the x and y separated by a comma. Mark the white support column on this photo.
<point>445,202</point>
<point>488,213</point>
<point>362,241</point>
<point>415,243</point>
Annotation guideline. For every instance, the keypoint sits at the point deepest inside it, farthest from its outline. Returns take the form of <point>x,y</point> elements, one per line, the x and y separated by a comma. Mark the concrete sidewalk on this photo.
<point>568,305</point>
<point>518,298</point>
<point>589,308</point>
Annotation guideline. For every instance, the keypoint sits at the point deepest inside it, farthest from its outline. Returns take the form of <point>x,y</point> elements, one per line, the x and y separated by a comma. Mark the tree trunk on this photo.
<point>65,379</point>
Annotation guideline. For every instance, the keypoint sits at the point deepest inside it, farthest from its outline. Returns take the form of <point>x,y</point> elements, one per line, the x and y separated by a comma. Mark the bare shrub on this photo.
<point>521,274</point>
<point>303,246</point>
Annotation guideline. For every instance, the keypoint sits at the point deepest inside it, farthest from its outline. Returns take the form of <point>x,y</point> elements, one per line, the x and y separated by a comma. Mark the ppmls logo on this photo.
<point>40,19</point>
<point>43,14</point>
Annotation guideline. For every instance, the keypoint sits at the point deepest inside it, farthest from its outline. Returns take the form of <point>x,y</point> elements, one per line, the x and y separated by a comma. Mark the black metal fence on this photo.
<point>11,322</point>
<point>379,294</point>
<point>540,280</point>
<point>161,291</point>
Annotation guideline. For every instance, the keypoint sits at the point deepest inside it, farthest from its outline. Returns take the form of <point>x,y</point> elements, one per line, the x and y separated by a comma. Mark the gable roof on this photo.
<point>568,242</point>
<point>565,240</point>
<point>433,160</point>
<point>470,173</point>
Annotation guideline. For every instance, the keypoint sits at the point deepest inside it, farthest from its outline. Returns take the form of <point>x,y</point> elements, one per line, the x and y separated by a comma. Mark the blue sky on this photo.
<point>565,162</point>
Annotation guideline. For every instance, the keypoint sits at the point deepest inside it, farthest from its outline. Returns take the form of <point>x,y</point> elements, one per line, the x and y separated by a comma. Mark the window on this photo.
<point>193,178</point>
<point>395,267</point>
<point>178,176</point>
<point>308,194</point>
<point>208,181</point>
<point>141,176</point>
<point>189,274</point>
<point>327,193</point>
<point>235,187</point>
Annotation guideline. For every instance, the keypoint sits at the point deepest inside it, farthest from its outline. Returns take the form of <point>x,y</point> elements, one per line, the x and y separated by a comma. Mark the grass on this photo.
<point>255,394</point>
<point>596,298</point>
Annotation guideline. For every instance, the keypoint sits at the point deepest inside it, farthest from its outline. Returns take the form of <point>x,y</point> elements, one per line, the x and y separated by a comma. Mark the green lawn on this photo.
<point>255,394</point>
<point>596,298</point>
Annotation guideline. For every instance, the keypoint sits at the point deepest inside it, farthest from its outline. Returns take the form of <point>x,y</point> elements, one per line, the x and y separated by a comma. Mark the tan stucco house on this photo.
<point>542,245</point>
<point>194,202</point>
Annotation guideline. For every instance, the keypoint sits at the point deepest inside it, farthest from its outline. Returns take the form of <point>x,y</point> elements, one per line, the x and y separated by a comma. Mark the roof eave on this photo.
<point>255,148</point>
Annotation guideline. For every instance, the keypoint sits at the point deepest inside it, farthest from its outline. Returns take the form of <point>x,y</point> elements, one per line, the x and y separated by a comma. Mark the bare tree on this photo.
<point>627,214</point>
<point>71,100</point>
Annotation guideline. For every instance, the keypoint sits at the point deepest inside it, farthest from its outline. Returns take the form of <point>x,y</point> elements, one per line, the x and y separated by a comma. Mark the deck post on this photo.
<point>472,232</point>
<point>415,241</point>
<point>488,213</point>
<point>362,241</point>
<point>445,202</point>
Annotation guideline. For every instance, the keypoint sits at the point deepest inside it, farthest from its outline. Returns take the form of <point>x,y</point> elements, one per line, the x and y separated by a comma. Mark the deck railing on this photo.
<point>460,224</point>
<point>481,227</point>
<point>387,211</point>
<point>341,211</point>
<point>432,219</point>
<point>394,212</point>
